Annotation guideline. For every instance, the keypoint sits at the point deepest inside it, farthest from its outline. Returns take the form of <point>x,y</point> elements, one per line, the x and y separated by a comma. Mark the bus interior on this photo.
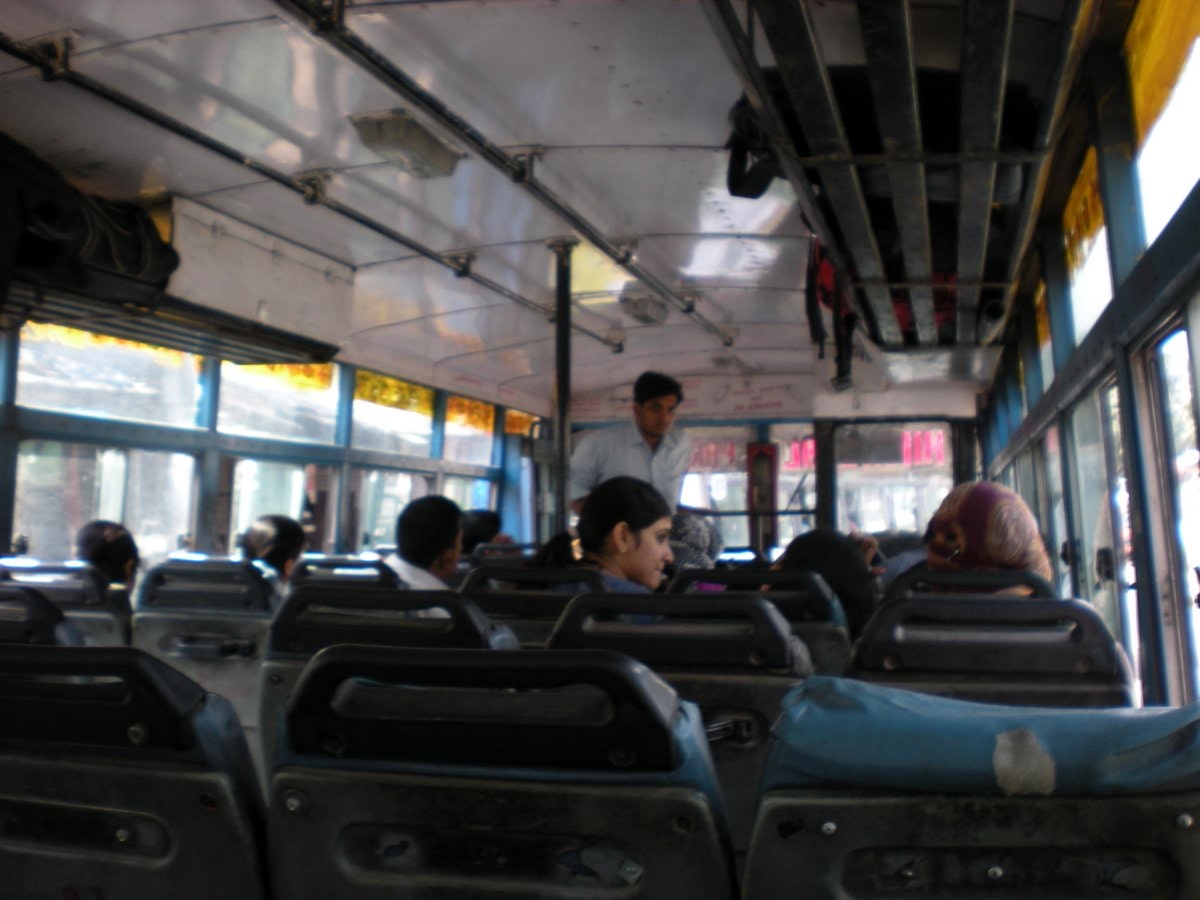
<point>323,257</point>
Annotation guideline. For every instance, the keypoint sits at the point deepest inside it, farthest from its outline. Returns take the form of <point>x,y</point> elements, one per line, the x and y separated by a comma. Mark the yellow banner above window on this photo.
<point>1157,45</point>
<point>384,390</point>
<point>473,414</point>
<point>1083,216</point>
<point>300,377</point>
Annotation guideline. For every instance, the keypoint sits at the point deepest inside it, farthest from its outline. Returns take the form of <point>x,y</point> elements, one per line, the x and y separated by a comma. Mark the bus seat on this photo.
<point>342,570</point>
<point>805,600</point>
<point>119,777</point>
<point>732,655</point>
<point>27,617</point>
<point>530,599</point>
<point>209,617</point>
<point>470,774</point>
<point>101,613</point>
<point>319,614</point>
<point>871,791</point>
<point>923,580</point>
<point>997,649</point>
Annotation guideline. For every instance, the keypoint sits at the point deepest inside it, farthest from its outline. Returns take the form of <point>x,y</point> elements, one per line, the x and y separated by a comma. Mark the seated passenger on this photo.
<point>559,552</point>
<point>695,540</point>
<point>276,540</point>
<point>984,527</point>
<point>842,561</point>
<point>429,540</point>
<point>481,526</point>
<point>624,529</point>
<point>111,549</point>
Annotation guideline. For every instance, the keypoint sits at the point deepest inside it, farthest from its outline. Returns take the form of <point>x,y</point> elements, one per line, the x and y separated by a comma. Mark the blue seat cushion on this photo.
<point>850,734</point>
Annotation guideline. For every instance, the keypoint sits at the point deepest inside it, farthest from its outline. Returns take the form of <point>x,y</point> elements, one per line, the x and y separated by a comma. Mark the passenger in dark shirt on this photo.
<point>278,541</point>
<point>111,549</point>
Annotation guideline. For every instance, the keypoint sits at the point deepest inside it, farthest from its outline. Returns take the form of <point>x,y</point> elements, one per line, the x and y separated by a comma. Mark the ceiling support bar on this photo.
<point>987,33</point>
<point>793,39</point>
<point>887,36</point>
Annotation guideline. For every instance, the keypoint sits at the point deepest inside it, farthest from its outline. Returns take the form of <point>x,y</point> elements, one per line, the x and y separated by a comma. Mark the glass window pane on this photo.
<point>61,487</point>
<point>158,503</point>
<point>74,371</point>
<point>376,498</point>
<point>264,488</point>
<point>1175,366</point>
<point>797,486</point>
<point>1041,306</point>
<point>392,415</point>
<point>470,431</point>
<point>1086,245</point>
<point>1058,509</point>
<point>716,479</point>
<point>294,402</point>
<point>891,477</point>
<point>1126,573</point>
<point>517,422</point>
<point>1168,166</point>
<point>468,493</point>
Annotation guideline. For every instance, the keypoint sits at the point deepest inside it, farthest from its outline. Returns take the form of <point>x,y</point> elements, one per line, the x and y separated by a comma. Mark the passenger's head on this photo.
<point>479,526</point>
<point>625,525</point>
<point>691,541</point>
<point>110,548</point>
<point>655,398</point>
<point>985,527</point>
<point>839,559</point>
<point>276,540</point>
<point>429,534</point>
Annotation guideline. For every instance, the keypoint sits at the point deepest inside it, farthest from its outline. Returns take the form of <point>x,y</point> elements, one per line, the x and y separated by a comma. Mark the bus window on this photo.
<point>470,431</point>
<point>1101,509</point>
<point>73,371</point>
<point>891,476</point>
<point>1087,249</point>
<point>1057,509</point>
<point>796,501</point>
<point>469,493</point>
<point>376,498</point>
<point>295,402</point>
<point>1174,365</point>
<point>391,415</point>
<point>61,487</point>
<point>304,492</point>
<point>716,479</point>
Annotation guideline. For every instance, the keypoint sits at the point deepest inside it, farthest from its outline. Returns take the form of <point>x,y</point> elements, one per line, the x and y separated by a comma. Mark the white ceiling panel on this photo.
<point>476,206</point>
<point>267,88</point>
<point>639,73</point>
<point>105,150</point>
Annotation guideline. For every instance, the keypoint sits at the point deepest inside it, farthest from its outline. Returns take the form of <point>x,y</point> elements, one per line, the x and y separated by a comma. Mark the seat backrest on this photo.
<point>209,584</point>
<point>467,773</point>
<point>209,619</point>
<point>27,617</point>
<point>528,599</point>
<point>995,648</point>
<point>320,614</point>
<point>803,597</point>
<point>100,613</point>
<point>131,781</point>
<point>871,790</point>
<point>733,655</point>
<point>343,570</point>
<point>924,580</point>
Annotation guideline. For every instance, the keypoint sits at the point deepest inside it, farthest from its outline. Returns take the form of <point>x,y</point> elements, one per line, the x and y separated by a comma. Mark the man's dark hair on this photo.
<point>426,528</point>
<point>655,384</point>
<point>276,540</point>
<point>479,526</point>
<point>108,546</point>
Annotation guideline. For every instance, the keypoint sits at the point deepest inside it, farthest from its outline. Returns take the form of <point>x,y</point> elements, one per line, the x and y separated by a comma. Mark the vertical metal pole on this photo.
<point>208,474</point>
<point>10,343</point>
<point>345,536</point>
<point>562,248</point>
<point>1058,293</point>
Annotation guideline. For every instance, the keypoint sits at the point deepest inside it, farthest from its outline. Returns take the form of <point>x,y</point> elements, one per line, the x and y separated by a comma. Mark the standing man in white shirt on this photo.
<point>648,448</point>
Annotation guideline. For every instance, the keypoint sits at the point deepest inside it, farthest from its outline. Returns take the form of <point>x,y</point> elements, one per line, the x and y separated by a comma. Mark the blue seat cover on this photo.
<point>851,734</point>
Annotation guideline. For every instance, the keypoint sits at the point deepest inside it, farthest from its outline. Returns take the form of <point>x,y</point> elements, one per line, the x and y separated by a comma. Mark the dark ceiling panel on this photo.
<point>887,37</point>
<point>792,36</point>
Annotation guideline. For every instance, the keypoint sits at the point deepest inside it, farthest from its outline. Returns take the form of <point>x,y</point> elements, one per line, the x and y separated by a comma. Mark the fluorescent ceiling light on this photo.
<point>402,140</point>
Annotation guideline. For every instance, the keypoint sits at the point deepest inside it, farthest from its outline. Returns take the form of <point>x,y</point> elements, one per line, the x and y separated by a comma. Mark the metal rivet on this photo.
<point>995,873</point>
<point>891,663</point>
<point>295,802</point>
<point>829,829</point>
<point>137,734</point>
<point>630,871</point>
<point>621,757</point>
<point>334,744</point>
<point>1184,820</point>
<point>124,835</point>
